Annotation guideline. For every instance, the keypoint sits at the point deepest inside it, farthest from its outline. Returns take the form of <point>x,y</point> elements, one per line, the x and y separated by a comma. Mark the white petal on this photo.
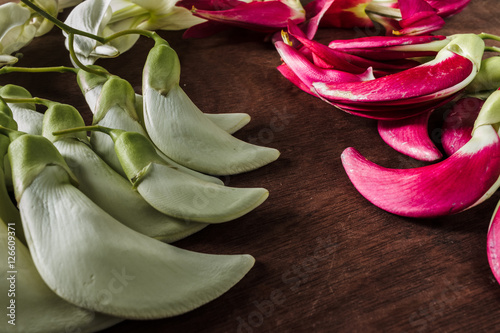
<point>92,260</point>
<point>37,308</point>
<point>180,130</point>
<point>115,195</point>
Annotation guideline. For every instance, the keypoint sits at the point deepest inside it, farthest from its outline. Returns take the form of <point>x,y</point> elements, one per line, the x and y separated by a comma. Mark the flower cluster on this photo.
<point>399,81</point>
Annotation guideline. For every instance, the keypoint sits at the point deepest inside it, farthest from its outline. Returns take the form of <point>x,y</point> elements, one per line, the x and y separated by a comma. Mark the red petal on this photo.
<point>458,124</point>
<point>266,16</point>
<point>444,188</point>
<point>409,136</point>
<point>422,80</point>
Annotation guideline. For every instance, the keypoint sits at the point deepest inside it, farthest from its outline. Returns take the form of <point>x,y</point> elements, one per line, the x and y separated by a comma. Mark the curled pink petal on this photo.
<point>418,17</point>
<point>341,13</point>
<point>292,77</point>
<point>392,113</point>
<point>446,8</point>
<point>444,188</point>
<point>314,15</point>
<point>422,80</point>
<point>327,57</point>
<point>390,47</point>
<point>458,124</point>
<point>308,72</point>
<point>263,16</point>
<point>382,41</point>
<point>493,243</point>
<point>410,136</point>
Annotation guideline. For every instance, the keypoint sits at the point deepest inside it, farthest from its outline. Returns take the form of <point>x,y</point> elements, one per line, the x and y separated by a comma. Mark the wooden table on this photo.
<point>327,259</point>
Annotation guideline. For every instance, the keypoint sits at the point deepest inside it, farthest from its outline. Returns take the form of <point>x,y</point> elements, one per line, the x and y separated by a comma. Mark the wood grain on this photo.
<point>327,259</point>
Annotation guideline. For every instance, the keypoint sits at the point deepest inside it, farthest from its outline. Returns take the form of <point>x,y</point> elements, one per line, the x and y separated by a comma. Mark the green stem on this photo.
<point>83,128</point>
<point>150,34</point>
<point>59,69</point>
<point>492,49</point>
<point>60,24</point>
<point>484,35</point>
<point>35,100</point>
<point>72,53</point>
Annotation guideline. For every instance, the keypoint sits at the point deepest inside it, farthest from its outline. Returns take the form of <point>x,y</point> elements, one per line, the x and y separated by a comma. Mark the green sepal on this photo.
<point>116,92</point>
<point>88,81</point>
<point>488,77</point>
<point>60,117</point>
<point>162,69</point>
<point>4,108</point>
<point>4,147</point>
<point>470,46</point>
<point>7,122</point>
<point>136,154</point>
<point>13,91</point>
<point>490,112</point>
<point>28,156</point>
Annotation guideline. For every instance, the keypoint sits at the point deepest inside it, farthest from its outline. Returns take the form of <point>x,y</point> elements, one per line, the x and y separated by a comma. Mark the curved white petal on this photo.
<point>90,259</point>
<point>90,16</point>
<point>115,195</point>
<point>181,131</point>
<point>37,308</point>
<point>183,196</point>
<point>117,118</point>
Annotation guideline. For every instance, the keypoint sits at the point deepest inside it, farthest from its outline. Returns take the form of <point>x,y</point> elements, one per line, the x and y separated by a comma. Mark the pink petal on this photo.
<point>327,57</point>
<point>392,113</point>
<point>426,79</point>
<point>493,248</point>
<point>267,16</point>
<point>409,136</point>
<point>458,124</point>
<point>388,48</point>
<point>444,188</point>
<point>314,15</point>
<point>382,41</point>
<point>341,13</point>
<point>308,72</point>
<point>292,77</point>
<point>447,8</point>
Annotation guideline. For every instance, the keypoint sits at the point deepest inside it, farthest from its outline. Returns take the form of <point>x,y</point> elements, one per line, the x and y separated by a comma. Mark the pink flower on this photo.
<point>412,91</point>
<point>263,16</point>
<point>403,16</point>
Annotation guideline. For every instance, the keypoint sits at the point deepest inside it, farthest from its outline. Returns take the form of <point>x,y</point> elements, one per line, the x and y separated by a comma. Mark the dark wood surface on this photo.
<point>326,259</point>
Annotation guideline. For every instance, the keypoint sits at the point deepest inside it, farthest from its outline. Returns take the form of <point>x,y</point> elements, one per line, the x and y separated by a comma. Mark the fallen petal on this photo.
<point>267,16</point>
<point>309,73</point>
<point>409,136</point>
<point>418,18</point>
<point>341,13</point>
<point>446,8</point>
<point>458,124</point>
<point>451,70</point>
<point>493,248</point>
<point>444,188</point>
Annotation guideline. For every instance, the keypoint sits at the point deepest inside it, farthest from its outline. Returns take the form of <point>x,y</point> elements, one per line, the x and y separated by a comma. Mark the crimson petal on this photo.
<point>444,188</point>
